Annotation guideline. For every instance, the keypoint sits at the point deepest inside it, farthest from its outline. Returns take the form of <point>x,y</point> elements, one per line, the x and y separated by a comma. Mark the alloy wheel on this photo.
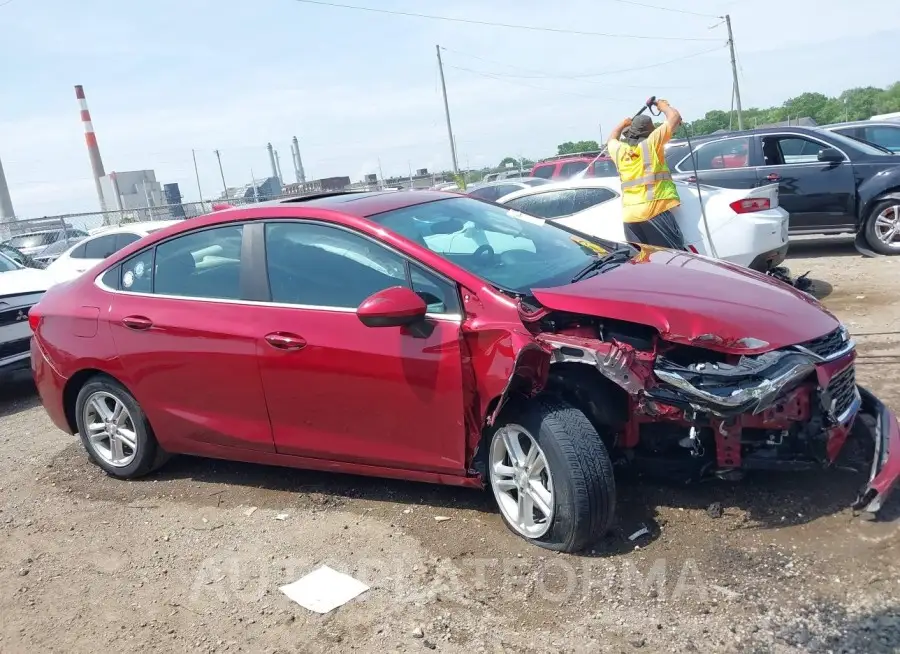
<point>521,481</point>
<point>887,226</point>
<point>111,431</point>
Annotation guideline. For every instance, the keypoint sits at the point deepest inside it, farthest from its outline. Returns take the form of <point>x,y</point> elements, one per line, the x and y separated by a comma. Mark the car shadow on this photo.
<point>760,501</point>
<point>824,246</point>
<point>17,393</point>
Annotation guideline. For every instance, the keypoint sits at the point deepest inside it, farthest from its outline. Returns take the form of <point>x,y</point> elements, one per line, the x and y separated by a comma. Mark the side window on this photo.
<point>572,168</point>
<point>545,172</point>
<point>790,150</point>
<point>100,247</point>
<point>440,296</point>
<point>111,277</point>
<point>719,155</point>
<point>886,137</point>
<point>78,253</point>
<point>317,265</point>
<point>605,168</point>
<point>125,239</point>
<point>204,264</point>
<point>137,273</point>
<point>585,198</point>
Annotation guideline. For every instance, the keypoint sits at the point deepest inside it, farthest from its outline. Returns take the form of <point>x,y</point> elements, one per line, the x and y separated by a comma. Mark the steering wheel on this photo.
<point>484,252</point>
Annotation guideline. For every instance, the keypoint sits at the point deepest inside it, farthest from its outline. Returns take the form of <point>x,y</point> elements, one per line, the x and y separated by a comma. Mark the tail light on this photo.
<point>693,249</point>
<point>34,319</point>
<point>749,205</point>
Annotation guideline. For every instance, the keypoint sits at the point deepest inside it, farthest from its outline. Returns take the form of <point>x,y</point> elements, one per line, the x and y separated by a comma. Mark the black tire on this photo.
<point>584,487</point>
<point>869,229</point>
<point>148,455</point>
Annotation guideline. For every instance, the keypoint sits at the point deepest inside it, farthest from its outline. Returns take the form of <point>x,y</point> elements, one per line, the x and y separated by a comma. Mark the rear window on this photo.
<point>571,168</point>
<point>604,168</point>
<point>33,240</point>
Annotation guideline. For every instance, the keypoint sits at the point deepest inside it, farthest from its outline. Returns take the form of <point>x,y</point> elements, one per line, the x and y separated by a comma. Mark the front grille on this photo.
<point>842,389</point>
<point>827,345</point>
<point>12,348</point>
<point>13,316</point>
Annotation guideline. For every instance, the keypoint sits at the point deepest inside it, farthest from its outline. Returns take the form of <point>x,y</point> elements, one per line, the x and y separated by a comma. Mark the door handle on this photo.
<point>773,177</point>
<point>692,179</point>
<point>138,323</point>
<point>285,341</point>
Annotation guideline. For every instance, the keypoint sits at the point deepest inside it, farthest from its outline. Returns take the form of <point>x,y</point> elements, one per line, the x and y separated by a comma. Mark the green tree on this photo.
<point>508,161</point>
<point>571,147</point>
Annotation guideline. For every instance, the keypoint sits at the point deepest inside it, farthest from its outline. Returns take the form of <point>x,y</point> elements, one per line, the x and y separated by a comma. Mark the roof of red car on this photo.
<point>368,203</point>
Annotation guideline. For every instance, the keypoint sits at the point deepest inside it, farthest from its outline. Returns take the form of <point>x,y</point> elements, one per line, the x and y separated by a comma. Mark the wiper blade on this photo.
<point>611,259</point>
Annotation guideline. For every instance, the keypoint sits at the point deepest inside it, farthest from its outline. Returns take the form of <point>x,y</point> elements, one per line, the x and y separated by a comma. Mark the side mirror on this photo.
<point>830,155</point>
<point>393,307</point>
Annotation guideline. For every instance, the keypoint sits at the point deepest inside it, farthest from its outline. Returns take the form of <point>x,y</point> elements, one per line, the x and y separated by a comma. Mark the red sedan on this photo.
<point>433,337</point>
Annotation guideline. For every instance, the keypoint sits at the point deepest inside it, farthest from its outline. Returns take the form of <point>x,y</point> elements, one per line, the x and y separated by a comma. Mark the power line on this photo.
<point>588,75</point>
<point>532,86</point>
<point>679,11</point>
<point>470,21</point>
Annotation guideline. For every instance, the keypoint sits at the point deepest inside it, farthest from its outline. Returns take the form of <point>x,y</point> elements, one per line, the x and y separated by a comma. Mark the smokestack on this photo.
<point>91,140</point>
<point>298,162</point>
<point>6,209</point>
<point>272,159</point>
<point>294,161</point>
<point>278,168</point>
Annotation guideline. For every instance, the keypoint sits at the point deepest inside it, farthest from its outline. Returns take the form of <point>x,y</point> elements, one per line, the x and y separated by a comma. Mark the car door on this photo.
<point>819,196</point>
<point>186,341</point>
<point>339,390</point>
<point>726,162</point>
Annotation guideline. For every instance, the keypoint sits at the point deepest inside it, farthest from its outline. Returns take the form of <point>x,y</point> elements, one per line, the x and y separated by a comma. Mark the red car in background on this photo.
<point>433,337</point>
<point>565,166</point>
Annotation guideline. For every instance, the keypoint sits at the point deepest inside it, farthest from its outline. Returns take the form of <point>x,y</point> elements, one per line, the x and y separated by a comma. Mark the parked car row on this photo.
<point>435,337</point>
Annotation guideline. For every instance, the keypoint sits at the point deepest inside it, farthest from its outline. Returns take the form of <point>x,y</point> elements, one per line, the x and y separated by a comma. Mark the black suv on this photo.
<point>827,182</point>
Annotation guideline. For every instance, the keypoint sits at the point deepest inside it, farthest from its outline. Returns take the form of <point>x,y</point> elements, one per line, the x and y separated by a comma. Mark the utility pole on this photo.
<point>197,173</point>
<point>447,112</point>
<point>381,175</point>
<point>409,163</point>
<point>224,186</point>
<point>734,72</point>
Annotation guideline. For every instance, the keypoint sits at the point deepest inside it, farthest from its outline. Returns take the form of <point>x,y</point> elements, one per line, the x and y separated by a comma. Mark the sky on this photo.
<point>361,91</point>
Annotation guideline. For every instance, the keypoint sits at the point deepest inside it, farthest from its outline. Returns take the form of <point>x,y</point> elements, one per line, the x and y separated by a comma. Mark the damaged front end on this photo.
<point>706,408</point>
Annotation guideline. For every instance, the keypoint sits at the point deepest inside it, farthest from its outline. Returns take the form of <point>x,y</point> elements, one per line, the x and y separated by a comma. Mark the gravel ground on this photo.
<point>191,559</point>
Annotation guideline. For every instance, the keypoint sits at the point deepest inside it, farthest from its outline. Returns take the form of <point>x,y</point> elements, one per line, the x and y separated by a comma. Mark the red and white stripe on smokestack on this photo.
<point>93,149</point>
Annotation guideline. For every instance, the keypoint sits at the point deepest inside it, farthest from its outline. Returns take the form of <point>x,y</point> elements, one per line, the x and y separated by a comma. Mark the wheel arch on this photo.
<point>73,386</point>
<point>870,195</point>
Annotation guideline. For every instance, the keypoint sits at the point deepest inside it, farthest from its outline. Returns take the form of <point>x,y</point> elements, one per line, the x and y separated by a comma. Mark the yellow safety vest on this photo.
<point>645,177</point>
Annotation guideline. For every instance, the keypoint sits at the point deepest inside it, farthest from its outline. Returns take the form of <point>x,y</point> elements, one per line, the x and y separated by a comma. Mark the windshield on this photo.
<point>35,240</point>
<point>7,264</point>
<point>860,146</point>
<point>514,251</point>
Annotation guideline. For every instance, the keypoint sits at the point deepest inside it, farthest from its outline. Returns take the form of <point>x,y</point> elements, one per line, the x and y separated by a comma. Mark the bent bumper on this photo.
<point>886,462</point>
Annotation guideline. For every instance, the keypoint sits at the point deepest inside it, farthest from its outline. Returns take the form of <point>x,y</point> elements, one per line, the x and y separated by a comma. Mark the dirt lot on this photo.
<point>180,562</point>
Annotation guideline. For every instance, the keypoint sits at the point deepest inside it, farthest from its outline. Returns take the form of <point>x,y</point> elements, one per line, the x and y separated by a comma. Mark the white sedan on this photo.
<point>100,244</point>
<point>747,226</point>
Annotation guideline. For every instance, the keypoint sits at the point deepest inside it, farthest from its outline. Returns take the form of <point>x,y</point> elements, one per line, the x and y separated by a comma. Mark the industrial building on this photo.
<point>131,189</point>
<point>260,190</point>
<point>318,186</point>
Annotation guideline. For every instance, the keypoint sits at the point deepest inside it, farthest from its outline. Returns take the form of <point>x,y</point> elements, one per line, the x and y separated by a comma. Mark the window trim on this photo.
<point>256,272</point>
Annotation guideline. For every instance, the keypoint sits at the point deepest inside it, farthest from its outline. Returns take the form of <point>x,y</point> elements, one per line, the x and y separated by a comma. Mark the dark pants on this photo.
<point>661,231</point>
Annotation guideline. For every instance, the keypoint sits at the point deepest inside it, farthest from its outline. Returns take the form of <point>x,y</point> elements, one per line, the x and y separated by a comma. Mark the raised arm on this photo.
<point>671,114</point>
<point>617,131</point>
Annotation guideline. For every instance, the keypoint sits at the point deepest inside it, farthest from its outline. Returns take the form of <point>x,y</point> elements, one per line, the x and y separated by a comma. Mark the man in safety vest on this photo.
<point>648,192</point>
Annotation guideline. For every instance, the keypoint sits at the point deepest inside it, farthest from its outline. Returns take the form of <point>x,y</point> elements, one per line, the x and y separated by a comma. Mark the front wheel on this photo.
<point>882,229</point>
<point>552,476</point>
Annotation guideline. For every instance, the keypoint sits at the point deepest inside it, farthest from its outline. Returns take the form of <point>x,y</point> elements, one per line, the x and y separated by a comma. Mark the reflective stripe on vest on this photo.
<point>649,179</point>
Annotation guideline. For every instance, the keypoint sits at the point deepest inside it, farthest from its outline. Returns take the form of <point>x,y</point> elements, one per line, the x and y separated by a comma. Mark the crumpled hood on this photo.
<point>685,296</point>
<point>24,280</point>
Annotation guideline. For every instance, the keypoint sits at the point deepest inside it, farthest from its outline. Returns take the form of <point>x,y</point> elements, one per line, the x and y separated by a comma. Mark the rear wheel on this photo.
<point>115,431</point>
<point>882,228</point>
<point>552,476</point>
